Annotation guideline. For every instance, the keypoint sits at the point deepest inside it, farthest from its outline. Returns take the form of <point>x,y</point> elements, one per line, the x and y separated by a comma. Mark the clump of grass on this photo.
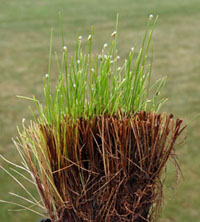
<point>94,85</point>
<point>98,148</point>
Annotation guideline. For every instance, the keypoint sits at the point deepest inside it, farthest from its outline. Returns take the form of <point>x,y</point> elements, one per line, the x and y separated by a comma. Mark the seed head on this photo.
<point>105,45</point>
<point>100,57</point>
<point>114,34</point>
<point>65,48</point>
<point>151,16</point>
<point>89,37</point>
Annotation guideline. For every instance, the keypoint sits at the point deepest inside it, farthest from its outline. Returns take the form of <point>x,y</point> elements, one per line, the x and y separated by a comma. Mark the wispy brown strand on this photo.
<point>103,169</point>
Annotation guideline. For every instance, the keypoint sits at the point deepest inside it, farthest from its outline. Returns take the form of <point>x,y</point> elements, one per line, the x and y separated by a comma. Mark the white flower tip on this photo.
<point>114,34</point>
<point>105,57</point>
<point>89,37</point>
<point>151,16</point>
<point>132,49</point>
<point>100,57</point>
<point>105,45</point>
<point>119,68</point>
<point>92,69</point>
<point>78,61</point>
<point>80,38</point>
<point>118,57</point>
<point>65,48</point>
<point>23,120</point>
<point>47,75</point>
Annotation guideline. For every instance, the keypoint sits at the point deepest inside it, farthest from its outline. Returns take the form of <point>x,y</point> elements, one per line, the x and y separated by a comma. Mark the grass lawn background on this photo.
<point>24,47</point>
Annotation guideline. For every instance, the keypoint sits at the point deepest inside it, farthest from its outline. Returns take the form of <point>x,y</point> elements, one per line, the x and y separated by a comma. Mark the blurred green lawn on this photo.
<point>24,43</point>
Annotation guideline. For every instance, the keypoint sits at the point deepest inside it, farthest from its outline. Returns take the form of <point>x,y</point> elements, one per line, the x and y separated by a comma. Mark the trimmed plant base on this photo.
<point>108,168</point>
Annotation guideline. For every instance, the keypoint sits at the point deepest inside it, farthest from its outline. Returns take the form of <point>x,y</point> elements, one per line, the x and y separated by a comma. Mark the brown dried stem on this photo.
<point>103,169</point>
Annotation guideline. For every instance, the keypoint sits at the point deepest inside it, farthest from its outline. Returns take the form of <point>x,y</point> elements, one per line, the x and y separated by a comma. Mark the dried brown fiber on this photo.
<point>106,169</point>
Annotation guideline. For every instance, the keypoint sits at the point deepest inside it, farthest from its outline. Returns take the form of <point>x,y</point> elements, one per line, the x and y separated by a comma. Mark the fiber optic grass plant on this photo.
<point>97,150</point>
<point>94,85</point>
